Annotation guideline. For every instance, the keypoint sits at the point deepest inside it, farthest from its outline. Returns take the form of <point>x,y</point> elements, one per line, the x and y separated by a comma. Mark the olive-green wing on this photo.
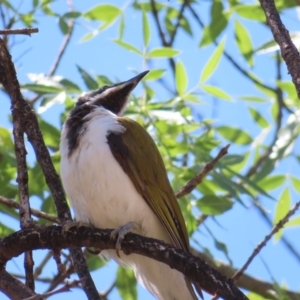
<point>139,157</point>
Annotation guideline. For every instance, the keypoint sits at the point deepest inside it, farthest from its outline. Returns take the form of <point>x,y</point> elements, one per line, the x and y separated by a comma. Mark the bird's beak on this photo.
<point>132,83</point>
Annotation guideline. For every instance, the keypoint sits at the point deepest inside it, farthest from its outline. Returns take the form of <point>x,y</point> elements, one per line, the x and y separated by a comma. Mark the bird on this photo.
<point>115,177</point>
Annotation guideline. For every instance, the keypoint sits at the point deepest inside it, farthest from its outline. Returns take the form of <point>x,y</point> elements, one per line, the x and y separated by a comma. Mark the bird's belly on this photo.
<point>102,194</point>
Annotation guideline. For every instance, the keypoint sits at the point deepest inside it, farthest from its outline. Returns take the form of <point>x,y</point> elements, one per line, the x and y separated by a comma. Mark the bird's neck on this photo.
<point>81,118</point>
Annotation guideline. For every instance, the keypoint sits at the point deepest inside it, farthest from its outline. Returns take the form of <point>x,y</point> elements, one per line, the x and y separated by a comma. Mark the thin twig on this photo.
<point>25,31</point>
<point>289,52</point>
<point>258,248</point>
<point>64,43</point>
<point>284,240</point>
<point>160,32</point>
<point>34,212</point>
<point>192,183</point>
<point>180,15</point>
<point>61,51</point>
<point>66,288</point>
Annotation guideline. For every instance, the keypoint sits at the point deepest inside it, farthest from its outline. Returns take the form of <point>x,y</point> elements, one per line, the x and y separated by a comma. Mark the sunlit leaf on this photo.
<point>105,13</point>
<point>244,42</point>
<point>235,135</point>
<point>258,118</point>
<point>296,183</point>
<point>271,182</point>
<point>155,74</point>
<point>128,46</point>
<point>253,99</point>
<point>162,52</point>
<point>215,91</point>
<point>41,89</point>
<point>126,284</point>
<point>212,63</point>
<point>146,30</point>
<point>218,23</point>
<point>181,79</point>
<point>251,11</point>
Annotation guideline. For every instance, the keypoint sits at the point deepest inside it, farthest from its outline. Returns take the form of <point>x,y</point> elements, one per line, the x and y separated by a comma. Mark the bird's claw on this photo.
<point>120,233</point>
<point>66,226</point>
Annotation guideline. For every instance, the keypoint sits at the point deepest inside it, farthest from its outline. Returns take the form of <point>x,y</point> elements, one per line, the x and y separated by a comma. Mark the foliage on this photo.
<point>190,109</point>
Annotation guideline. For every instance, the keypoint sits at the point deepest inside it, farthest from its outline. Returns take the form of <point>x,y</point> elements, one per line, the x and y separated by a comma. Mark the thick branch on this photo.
<point>289,52</point>
<point>54,237</point>
<point>13,288</point>
<point>10,82</point>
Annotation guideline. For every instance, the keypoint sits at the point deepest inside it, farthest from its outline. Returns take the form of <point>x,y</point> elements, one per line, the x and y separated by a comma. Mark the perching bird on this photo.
<point>115,178</point>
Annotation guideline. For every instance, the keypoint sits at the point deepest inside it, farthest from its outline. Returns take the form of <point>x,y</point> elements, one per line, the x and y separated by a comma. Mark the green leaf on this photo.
<point>181,79</point>
<point>126,283</point>
<point>5,230</point>
<point>214,205</point>
<point>105,13</point>
<point>212,63</point>
<point>63,26</point>
<point>70,86</point>
<point>128,46</point>
<point>289,88</point>
<point>282,208</point>
<point>51,134</point>
<point>251,183</point>
<point>89,81</point>
<point>271,182</point>
<point>162,52</point>
<point>258,118</point>
<point>296,183</point>
<point>41,89</point>
<point>72,15</point>
<point>146,29</point>
<point>253,99</point>
<point>244,42</point>
<point>235,135</point>
<point>121,28</point>
<point>155,74</point>
<point>94,262</point>
<point>218,23</point>
<point>251,12</point>
<point>215,91</point>
<point>293,222</point>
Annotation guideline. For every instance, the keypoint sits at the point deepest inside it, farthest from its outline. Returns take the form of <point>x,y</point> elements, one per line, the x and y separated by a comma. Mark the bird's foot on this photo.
<point>66,226</point>
<point>120,233</point>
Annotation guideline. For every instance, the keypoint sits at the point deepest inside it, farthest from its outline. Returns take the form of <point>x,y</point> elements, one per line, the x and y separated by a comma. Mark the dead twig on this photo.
<point>25,31</point>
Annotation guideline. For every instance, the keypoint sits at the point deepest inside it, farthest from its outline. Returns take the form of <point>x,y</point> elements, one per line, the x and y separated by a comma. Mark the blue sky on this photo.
<point>241,229</point>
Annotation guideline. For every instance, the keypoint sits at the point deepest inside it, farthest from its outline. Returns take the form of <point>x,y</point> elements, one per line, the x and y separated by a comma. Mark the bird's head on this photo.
<point>113,98</point>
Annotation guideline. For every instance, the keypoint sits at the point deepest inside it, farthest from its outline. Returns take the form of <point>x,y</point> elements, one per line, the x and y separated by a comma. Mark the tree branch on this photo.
<point>281,35</point>
<point>191,184</point>
<point>48,237</point>
<point>26,31</point>
<point>258,248</point>
<point>34,212</point>
<point>12,287</point>
<point>10,82</point>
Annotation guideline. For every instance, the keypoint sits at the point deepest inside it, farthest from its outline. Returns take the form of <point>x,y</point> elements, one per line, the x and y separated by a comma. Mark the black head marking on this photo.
<point>75,125</point>
<point>113,98</point>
